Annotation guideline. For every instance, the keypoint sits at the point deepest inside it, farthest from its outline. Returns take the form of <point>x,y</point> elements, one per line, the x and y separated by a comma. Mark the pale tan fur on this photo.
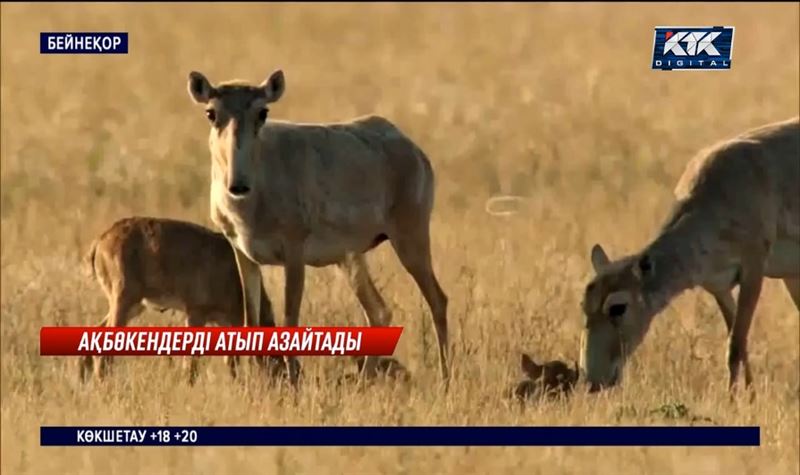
<point>166,264</point>
<point>295,194</point>
<point>735,222</point>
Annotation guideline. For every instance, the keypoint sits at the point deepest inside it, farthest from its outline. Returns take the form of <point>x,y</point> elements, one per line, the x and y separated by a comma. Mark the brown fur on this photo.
<point>387,366</point>
<point>551,379</point>
<point>166,264</point>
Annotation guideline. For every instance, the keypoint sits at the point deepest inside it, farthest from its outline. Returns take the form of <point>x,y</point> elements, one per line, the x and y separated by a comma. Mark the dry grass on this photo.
<point>555,102</point>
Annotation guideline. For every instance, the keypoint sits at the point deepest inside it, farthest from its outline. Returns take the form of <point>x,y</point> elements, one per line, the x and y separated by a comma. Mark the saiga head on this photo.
<point>616,315</point>
<point>236,111</point>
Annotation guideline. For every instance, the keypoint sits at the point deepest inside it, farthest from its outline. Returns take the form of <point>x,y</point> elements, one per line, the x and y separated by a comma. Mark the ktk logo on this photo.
<point>696,43</point>
<point>692,48</point>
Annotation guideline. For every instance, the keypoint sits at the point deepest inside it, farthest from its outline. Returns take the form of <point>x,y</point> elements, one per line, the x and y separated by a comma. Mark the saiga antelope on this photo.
<point>166,264</point>
<point>551,379</point>
<point>298,194</point>
<point>736,221</point>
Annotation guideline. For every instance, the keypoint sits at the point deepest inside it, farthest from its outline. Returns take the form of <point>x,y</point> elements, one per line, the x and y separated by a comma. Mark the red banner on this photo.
<point>217,341</point>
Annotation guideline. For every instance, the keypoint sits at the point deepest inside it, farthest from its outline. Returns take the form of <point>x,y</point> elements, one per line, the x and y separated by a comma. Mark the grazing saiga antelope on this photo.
<point>298,194</point>
<point>736,221</point>
<point>166,264</point>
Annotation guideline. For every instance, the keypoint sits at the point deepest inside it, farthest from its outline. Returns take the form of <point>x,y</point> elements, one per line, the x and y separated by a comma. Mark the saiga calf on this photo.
<point>167,264</point>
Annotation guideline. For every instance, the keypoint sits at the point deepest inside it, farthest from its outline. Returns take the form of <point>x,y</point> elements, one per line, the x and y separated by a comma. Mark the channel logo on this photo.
<point>695,48</point>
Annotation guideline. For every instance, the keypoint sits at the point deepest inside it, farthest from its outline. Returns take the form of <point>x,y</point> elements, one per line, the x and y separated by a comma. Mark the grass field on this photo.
<point>555,102</point>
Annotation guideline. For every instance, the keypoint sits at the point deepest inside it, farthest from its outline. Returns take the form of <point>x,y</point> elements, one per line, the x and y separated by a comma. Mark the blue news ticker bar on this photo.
<point>401,436</point>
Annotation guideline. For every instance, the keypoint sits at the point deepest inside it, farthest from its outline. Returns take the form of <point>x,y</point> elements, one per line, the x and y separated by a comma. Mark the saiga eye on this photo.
<point>616,311</point>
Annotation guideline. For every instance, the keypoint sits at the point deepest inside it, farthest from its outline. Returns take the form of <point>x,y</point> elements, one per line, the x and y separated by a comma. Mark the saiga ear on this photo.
<point>274,86</point>
<point>599,258</point>
<point>529,367</point>
<point>200,89</point>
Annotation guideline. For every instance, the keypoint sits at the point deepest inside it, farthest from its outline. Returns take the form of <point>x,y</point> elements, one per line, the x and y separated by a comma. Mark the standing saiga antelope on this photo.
<point>736,221</point>
<point>295,194</point>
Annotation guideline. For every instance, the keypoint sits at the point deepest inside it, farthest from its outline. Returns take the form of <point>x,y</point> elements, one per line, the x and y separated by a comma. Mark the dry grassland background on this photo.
<point>555,102</point>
